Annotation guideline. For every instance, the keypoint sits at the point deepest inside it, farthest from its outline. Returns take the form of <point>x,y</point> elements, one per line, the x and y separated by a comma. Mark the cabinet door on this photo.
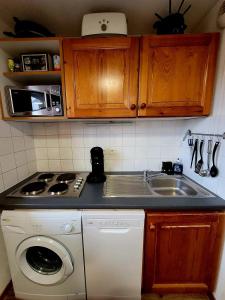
<point>101,77</point>
<point>180,252</point>
<point>177,74</point>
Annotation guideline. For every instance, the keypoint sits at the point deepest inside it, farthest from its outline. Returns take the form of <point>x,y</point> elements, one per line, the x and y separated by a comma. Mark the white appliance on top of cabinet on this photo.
<point>104,23</point>
<point>113,249</point>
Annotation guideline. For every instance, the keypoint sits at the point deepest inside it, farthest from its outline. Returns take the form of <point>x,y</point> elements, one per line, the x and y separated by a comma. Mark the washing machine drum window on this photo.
<point>44,260</point>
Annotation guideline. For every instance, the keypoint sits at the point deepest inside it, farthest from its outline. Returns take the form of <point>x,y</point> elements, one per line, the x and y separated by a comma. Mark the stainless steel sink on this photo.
<point>167,186</point>
<point>172,187</point>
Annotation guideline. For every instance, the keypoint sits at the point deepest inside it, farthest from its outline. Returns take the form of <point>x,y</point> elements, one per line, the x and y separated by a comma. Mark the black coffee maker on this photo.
<point>97,160</point>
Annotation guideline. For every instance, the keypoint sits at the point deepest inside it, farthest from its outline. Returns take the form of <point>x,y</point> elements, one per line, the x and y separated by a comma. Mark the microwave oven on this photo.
<point>34,100</point>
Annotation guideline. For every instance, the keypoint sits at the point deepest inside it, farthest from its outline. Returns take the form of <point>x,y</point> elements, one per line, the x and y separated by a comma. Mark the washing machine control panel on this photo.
<point>70,227</point>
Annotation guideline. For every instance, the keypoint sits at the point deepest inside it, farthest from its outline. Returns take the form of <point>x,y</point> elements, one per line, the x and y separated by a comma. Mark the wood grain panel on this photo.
<point>101,77</point>
<point>177,74</point>
<point>175,244</point>
<point>181,251</point>
<point>107,82</point>
<point>169,75</point>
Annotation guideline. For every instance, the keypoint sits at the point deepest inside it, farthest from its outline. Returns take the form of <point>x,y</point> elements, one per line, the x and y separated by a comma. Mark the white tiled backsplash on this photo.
<point>17,153</point>
<point>215,123</point>
<point>127,147</point>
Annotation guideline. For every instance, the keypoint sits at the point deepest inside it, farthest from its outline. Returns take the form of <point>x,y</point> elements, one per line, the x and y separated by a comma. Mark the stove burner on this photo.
<point>66,177</point>
<point>58,189</point>
<point>33,188</point>
<point>46,177</point>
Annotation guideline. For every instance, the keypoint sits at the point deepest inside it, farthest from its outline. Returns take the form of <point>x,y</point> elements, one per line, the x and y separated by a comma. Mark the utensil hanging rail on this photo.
<point>190,133</point>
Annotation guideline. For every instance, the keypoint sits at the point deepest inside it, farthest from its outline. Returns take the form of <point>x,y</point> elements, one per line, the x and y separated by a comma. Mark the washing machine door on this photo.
<point>44,260</point>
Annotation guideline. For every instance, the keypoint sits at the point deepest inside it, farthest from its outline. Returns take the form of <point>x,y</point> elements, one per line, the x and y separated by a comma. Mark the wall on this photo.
<point>4,27</point>
<point>17,154</point>
<point>214,124</point>
<point>127,147</point>
<point>4,271</point>
<point>17,161</point>
<point>5,132</point>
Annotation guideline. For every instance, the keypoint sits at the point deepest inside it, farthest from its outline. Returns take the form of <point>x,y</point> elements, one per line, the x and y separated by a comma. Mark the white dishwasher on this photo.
<point>113,248</point>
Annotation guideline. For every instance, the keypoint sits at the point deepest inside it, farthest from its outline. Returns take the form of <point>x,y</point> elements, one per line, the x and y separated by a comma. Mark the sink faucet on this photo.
<point>148,175</point>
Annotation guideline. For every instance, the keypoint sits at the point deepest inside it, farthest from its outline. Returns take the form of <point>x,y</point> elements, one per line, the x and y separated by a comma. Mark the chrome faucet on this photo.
<point>148,175</point>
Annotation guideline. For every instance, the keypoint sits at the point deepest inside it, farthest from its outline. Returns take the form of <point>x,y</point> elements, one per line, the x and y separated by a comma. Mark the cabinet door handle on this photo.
<point>133,106</point>
<point>143,106</point>
<point>185,226</point>
<point>152,227</point>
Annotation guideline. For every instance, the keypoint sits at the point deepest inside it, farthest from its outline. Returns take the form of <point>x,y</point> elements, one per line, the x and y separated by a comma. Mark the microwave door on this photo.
<point>20,102</point>
<point>30,103</point>
<point>39,103</point>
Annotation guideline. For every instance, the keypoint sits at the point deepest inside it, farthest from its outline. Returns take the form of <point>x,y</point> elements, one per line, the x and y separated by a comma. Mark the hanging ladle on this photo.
<point>214,171</point>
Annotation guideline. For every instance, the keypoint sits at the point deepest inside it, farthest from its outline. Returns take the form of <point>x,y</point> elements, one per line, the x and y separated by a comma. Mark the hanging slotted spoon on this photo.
<point>206,172</point>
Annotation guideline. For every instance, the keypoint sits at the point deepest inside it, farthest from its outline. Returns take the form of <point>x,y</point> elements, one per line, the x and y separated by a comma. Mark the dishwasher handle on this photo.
<point>114,230</point>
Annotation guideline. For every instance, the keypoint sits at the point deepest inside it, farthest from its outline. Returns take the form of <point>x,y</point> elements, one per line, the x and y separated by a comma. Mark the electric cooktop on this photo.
<point>55,184</point>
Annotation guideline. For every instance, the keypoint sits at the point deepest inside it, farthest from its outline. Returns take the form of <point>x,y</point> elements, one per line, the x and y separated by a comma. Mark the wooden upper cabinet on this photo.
<point>101,77</point>
<point>177,74</point>
<point>181,252</point>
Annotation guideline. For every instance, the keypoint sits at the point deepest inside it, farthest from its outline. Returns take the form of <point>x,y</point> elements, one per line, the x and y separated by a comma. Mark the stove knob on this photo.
<point>76,186</point>
<point>68,228</point>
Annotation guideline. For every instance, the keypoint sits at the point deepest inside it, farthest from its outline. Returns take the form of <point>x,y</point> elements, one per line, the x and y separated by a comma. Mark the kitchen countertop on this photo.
<point>91,198</point>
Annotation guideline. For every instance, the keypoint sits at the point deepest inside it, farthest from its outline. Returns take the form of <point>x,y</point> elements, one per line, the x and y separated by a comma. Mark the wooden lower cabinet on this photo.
<point>181,251</point>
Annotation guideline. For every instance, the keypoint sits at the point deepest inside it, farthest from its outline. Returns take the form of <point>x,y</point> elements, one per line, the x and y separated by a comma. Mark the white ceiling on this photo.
<point>63,17</point>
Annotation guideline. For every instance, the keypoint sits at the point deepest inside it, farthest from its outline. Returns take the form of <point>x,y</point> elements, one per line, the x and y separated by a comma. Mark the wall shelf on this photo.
<point>15,46</point>
<point>34,76</point>
<point>35,119</point>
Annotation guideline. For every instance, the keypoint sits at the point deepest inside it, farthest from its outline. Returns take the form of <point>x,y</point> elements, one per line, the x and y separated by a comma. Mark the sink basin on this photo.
<point>171,187</point>
<point>125,186</point>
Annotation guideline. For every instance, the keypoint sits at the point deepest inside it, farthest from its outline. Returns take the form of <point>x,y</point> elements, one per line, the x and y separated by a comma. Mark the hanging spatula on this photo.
<point>194,153</point>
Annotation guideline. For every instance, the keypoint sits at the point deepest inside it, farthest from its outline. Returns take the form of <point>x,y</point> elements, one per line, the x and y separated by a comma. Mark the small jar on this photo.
<point>11,64</point>
<point>178,167</point>
<point>56,62</point>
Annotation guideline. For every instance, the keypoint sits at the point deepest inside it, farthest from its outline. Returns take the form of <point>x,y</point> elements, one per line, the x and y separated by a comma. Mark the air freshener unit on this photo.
<point>104,24</point>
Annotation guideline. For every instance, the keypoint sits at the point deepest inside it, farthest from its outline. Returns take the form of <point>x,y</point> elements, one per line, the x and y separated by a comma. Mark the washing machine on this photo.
<point>45,253</point>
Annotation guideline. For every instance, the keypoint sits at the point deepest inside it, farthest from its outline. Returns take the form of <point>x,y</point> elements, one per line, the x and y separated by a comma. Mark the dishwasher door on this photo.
<point>113,248</point>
